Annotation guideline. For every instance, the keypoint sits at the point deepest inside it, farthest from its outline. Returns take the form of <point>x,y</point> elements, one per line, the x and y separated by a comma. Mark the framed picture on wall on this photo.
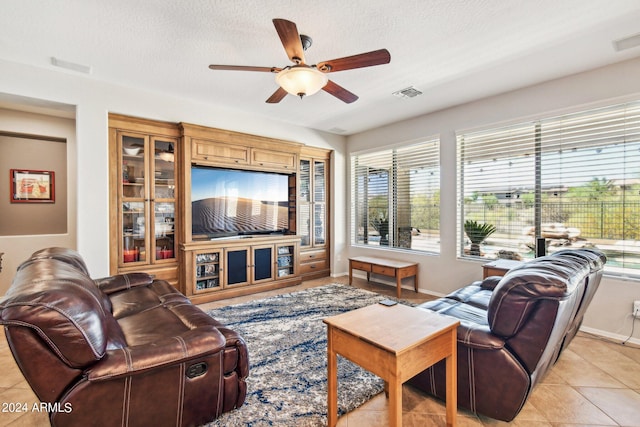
<point>30,186</point>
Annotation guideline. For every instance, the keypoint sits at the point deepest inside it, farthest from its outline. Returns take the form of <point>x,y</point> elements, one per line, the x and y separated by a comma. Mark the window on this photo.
<point>395,197</point>
<point>573,179</point>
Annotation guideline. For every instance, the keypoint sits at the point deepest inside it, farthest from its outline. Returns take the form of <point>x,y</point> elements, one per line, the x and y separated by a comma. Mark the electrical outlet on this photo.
<point>636,309</point>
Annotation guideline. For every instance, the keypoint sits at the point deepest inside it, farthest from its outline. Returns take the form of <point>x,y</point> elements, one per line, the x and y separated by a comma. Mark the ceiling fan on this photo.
<point>302,79</point>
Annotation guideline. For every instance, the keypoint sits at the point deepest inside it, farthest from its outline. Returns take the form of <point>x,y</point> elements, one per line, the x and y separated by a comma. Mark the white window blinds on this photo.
<point>395,197</point>
<point>572,179</point>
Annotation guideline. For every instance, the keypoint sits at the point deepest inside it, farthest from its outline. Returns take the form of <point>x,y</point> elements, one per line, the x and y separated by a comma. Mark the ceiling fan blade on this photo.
<point>277,96</point>
<point>290,39</point>
<point>376,57</point>
<point>340,92</point>
<point>245,68</point>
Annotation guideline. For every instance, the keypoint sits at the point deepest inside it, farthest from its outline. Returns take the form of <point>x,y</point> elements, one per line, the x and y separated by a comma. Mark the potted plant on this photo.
<point>381,225</point>
<point>477,233</point>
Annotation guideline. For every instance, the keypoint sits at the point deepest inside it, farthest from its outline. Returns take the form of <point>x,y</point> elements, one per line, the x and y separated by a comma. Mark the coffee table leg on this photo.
<point>452,383</point>
<point>332,382</point>
<point>395,403</point>
<point>398,284</point>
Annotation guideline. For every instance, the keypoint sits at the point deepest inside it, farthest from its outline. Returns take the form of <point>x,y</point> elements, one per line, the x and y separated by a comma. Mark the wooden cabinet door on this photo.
<point>274,159</point>
<point>216,152</point>
<point>262,263</point>
<point>237,266</point>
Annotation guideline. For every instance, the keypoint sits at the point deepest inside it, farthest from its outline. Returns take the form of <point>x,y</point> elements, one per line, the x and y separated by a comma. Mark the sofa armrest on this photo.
<point>120,282</point>
<point>241,359</point>
<point>134,360</point>
<point>490,282</point>
<point>478,337</point>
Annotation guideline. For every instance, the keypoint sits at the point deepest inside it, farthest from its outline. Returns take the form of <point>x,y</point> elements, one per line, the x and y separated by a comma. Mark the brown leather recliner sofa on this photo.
<point>513,329</point>
<point>123,350</point>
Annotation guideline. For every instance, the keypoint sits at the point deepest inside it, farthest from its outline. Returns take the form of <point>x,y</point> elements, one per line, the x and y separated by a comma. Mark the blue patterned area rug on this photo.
<point>287,342</point>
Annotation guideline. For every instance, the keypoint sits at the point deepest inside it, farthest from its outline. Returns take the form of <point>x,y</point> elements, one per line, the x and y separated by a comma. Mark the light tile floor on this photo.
<point>595,383</point>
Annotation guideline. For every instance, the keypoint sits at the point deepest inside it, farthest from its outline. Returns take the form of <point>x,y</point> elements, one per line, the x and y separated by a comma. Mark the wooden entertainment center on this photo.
<point>151,219</point>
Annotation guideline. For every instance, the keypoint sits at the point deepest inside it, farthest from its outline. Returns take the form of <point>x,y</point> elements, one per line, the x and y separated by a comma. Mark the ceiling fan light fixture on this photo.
<point>301,80</point>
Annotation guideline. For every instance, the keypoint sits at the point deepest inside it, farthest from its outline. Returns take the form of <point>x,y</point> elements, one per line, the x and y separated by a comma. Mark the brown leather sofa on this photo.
<point>513,329</point>
<point>123,350</point>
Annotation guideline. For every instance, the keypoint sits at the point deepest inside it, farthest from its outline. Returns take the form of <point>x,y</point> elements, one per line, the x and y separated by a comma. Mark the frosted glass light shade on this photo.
<point>301,80</point>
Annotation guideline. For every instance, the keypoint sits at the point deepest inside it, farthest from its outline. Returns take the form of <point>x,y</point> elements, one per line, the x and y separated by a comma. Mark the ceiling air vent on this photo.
<point>86,69</point>
<point>626,43</point>
<point>337,130</point>
<point>409,92</point>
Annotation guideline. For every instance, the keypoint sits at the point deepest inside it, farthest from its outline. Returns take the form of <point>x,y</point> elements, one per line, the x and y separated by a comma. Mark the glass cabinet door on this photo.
<point>133,197</point>
<point>304,203</point>
<point>312,203</point>
<point>163,198</point>
<point>286,262</point>
<point>148,198</point>
<point>208,269</point>
<point>319,203</point>
<point>134,232</point>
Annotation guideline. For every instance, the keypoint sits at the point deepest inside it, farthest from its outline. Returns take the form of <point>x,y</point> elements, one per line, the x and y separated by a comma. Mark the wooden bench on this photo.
<point>385,267</point>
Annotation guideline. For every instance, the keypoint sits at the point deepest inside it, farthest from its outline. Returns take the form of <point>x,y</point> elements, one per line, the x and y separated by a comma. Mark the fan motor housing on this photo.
<point>306,41</point>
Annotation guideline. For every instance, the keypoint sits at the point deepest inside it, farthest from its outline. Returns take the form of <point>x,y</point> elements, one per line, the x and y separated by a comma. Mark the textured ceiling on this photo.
<point>454,51</point>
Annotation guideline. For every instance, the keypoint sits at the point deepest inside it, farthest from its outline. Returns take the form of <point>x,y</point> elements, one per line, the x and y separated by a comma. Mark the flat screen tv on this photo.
<point>229,202</point>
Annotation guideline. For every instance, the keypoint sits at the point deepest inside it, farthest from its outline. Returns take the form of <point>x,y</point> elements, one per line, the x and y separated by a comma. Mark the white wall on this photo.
<point>17,248</point>
<point>94,100</point>
<point>610,311</point>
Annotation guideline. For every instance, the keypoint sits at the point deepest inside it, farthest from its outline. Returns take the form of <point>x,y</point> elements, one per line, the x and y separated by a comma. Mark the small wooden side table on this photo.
<point>385,267</point>
<point>395,343</point>
<point>499,267</point>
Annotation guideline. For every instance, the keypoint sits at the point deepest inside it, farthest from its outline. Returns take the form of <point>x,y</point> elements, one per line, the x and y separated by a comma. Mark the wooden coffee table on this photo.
<point>395,343</point>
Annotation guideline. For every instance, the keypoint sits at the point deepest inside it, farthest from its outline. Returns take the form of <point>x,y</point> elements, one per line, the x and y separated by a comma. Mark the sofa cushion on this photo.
<point>594,258</point>
<point>142,298</point>
<point>69,256</point>
<point>156,311</point>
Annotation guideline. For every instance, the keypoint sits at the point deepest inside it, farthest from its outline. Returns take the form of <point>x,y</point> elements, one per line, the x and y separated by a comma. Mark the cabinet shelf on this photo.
<point>207,272</point>
<point>209,276</point>
<point>206,285</point>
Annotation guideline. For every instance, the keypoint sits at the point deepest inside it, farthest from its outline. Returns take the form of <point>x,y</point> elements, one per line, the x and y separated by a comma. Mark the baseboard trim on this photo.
<point>616,338</point>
